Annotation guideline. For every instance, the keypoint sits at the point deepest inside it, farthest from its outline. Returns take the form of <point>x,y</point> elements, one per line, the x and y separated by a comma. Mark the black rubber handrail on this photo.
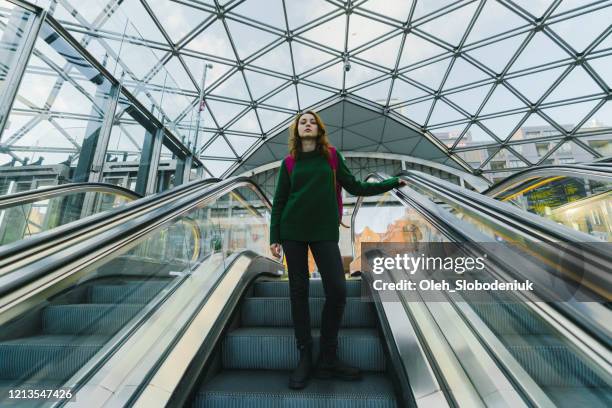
<point>31,196</point>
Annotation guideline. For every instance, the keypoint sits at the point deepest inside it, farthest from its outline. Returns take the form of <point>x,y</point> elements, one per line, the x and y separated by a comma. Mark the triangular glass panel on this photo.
<point>535,151</point>
<point>417,49</point>
<point>471,99</point>
<point>463,73</point>
<point>354,141</point>
<point>233,87</point>
<point>535,8</point>
<point>213,41</point>
<point>384,54</point>
<point>397,10</point>
<point>143,25</point>
<point>218,167</point>
<point>540,50</point>
<point>446,26</point>
<point>403,145</point>
<point>377,93</point>
<point>219,148</point>
<point>360,74</point>
<point>494,19</point>
<point>310,95</point>
<point>600,119</point>
<point>330,76</point>
<point>223,111</point>
<point>285,98</point>
<point>605,44</point>
<point>427,150</point>
<point>430,75</point>
<point>571,149</point>
<point>247,123</point>
<point>534,127</point>
<point>196,66</point>
<point>179,76</point>
<point>248,39</point>
<point>417,112</point>
<point>300,13</point>
<point>505,159</point>
<point>490,56</point>
<point>502,126</point>
<point>241,143</point>
<point>577,83</point>
<point>601,144</point>
<point>273,15</point>
<point>373,128</point>
<point>403,91</point>
<point>568,116</point>
<point>566,6</point>
<point>278,60</point>
<point>330,34</point>
<point>73,100</point>
<point>533,86</point>
<point>260,84</point>
<point>270,118</point>
<point>603,67</point>
<point>476,136</point>
<point>177,19</point>
<point>352,114</point>
<point>501,100</point>
<point>424,8</point>
<point>474,158</point>
<point>44,134</point>
<point>580,31</point>
<point>306,58</point>
<point>363,30</point>
<point>443,113</point>
<point>448,134</point>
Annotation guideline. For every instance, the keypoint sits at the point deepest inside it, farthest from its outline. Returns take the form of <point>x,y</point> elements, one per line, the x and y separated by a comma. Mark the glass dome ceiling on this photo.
<point>478,79</point>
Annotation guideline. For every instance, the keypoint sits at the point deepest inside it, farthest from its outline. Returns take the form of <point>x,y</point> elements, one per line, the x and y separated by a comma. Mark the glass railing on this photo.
<point>579,197</point>
<point>549,366</point>
<point>67,330</point>
<point>25,214</point>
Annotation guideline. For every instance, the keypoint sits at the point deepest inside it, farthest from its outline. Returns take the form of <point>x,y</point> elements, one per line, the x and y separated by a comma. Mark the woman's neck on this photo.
<point>308,145</point>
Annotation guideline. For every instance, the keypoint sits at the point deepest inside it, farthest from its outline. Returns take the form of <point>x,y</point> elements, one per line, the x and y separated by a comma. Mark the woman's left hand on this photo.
<point>402,183</point>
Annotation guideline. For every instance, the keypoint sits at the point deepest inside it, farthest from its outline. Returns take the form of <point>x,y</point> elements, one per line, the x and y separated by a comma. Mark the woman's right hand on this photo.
<point>275,249</point>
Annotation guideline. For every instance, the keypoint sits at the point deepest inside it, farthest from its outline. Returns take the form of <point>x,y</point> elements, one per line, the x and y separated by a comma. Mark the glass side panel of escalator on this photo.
<point>24,220</point>
<point>579,203</point>
<point>67,328</point>
<point>562,372</point>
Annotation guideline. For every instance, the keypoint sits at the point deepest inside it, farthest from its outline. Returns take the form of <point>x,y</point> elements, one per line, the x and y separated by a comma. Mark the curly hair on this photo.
<point>295,146</point>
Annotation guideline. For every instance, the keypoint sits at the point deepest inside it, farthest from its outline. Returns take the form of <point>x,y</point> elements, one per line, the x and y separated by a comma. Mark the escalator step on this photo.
<point>550,362</point>
<point>141,292</point>
<point>592,397</point>
<point>510,318</point>
<point>50,357</point>
<point>276,312</point>
<point>86,318</point>
<point>281,288</point>
<point>268,389</point>
<point>275,348</point>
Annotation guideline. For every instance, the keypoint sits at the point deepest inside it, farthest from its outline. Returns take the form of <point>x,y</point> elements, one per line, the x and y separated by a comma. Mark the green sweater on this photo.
<point>305,207</point>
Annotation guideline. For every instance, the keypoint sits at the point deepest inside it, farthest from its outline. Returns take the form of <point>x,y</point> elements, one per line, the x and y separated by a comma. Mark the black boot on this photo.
<point>300,375</point>
<point>329,365</point>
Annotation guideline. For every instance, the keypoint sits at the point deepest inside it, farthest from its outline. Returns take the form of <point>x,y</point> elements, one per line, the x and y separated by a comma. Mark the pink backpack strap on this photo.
<point>333,158</point>
<point>289,163</point>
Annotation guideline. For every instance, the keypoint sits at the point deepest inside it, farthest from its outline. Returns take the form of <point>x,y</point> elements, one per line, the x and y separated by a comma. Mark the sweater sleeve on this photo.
<point>362,188</point>
<point>278,203</point>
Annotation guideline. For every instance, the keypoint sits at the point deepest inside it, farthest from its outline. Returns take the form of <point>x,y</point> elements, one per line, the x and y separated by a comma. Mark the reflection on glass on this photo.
<point>58,336</point>
<point>15,26</point>
<point>578,203</point>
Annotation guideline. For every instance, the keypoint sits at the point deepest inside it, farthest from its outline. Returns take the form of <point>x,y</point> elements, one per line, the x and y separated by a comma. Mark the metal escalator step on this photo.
<point>137,292</point>
<point>592,397</point>
<point>281,288</point>
<point>86,318</point>
<point>275,348</point>
<point>49,357</point>
<point>510,318</point>
<point>551,362</point>
<point>276,312</point>
<point>268,389</point>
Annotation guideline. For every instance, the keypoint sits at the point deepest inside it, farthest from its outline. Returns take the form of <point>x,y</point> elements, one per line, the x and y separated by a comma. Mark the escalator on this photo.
<point>557,351</point>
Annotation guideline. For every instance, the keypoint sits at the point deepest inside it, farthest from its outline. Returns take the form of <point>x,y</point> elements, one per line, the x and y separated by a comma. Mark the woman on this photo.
<point>305,214</point>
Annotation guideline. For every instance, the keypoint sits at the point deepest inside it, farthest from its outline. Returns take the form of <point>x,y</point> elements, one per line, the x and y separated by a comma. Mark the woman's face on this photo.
<point>307,126</point>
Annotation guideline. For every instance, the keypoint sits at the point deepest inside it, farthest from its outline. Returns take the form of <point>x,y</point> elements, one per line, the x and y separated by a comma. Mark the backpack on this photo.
<point>333,163</point>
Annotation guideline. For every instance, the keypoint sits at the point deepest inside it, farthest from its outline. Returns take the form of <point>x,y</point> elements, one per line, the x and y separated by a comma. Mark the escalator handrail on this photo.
<point>61,233</point>
<point>31,196</point>
<point>39,268</point>
<point>601,172</point>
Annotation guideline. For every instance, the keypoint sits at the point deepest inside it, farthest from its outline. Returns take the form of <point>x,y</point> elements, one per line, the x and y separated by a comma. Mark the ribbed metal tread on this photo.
<point>281,288</point>
<point>274,348</point>
<point>510,318</point>
<point>591,397</point>
<point>87,318</point>
<point>276,312</point>
<point>268,389</point>
<point>132,292</point>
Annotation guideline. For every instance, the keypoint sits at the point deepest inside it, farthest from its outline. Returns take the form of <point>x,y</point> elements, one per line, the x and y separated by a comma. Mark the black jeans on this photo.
<point>329,262</point>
